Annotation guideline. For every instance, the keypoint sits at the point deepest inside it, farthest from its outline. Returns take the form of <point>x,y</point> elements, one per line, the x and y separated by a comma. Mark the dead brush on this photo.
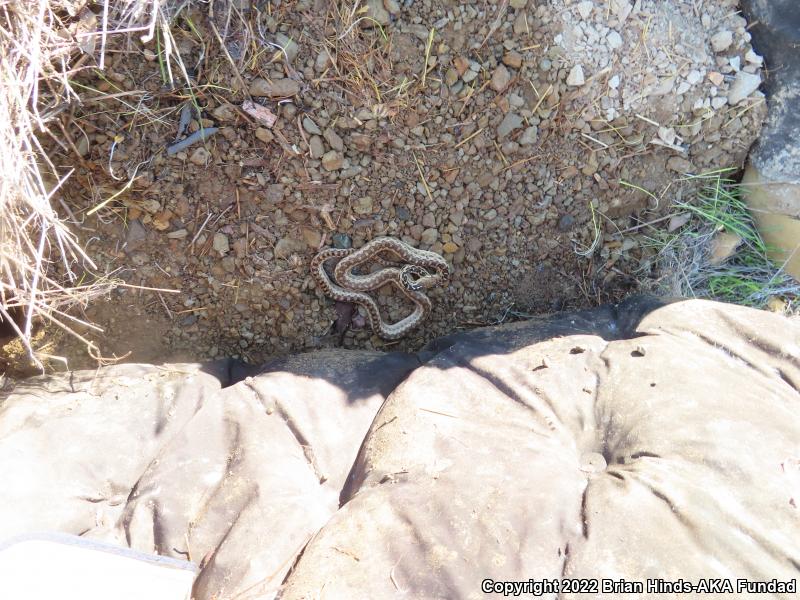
<point>44,272</point>
<point>41,262</point>
<point>360,59</point>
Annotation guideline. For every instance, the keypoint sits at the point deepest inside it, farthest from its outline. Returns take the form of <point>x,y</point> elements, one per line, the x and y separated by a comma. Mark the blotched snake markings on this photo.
<point>412,272</point>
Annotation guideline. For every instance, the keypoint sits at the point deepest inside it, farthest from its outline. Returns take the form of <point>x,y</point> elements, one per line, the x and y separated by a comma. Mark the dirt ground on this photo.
<point>515,138</point>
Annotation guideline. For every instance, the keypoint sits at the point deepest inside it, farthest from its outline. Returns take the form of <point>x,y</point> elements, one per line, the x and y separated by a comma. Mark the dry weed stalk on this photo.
<point>43,269</point>
<point>361,59</point>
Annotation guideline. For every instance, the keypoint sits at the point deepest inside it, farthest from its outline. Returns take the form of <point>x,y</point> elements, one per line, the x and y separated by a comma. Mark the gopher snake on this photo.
<point>422,270</point>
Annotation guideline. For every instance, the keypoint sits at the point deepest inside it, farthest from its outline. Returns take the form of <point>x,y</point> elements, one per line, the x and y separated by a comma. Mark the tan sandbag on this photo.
<point>163,460</point>
<point>635,442</point>
<point>672,455</point>
<point>775,206</point>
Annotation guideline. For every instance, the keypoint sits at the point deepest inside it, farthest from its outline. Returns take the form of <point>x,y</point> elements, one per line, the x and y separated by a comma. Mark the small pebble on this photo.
<point>311,127</point>
<point>342,241</point>
<point>722,41</point>
<point>332,161</point>
<point>575,77</point>
<point>566,222</point>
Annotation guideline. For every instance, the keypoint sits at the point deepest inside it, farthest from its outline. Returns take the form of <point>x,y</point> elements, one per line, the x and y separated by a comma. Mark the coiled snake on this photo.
<point>412,272</point>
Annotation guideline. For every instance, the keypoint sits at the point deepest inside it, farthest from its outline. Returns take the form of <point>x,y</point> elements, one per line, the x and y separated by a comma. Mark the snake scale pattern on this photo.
<point>409,269</point>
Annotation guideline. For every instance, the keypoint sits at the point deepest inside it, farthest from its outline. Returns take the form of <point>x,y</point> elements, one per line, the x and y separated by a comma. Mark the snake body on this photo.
<point>420,270</point>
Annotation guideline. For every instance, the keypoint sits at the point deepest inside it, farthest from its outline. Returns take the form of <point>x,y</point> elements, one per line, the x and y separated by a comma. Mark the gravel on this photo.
<point>510,122</point>
<point>744,85</point>
<point>504,160</point>
<point>276,88</point>
<point>575,76</point>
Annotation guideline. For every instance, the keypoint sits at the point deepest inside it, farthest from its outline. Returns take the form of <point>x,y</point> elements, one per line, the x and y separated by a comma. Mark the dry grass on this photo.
<point>360,64</point>
<point>44,271</point>
<point>747,277</point>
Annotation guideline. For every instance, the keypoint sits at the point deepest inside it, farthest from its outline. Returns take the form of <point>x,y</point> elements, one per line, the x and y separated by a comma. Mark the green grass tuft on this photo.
<point>748,277</point>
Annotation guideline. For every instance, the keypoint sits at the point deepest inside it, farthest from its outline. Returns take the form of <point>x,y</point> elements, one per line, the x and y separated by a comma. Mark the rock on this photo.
<point>274,193</point>
<point>332,161</point>
<point>288,245</point>
<point>161,221</point>
<point>723,246</point>
<point>364,206</point>
<point>678,221</point>
<point>667,135</point>
<point>510,122</point>
<point>402,213</point>
<point>694,77</point>
<point>518,3</point>
<point>265,135</point>
<point>276,88</point>
<point>135,234</point>
<point>613,83</point>
<point>566,222</point>
<point>664,87</point>
<point>753,58</point>
<point>312,237</point>
<point>500,78</point>
<point>622,9</point>
<point>310,126</point>
<point>429,220</point>
<point>221,243</point>
<point>450,248</point>
<point>393,6</point>
<point>316,147</point>
<point>178,234</point>
<point>361,141</point>
<point>260,113</point>
<point>289,47</point>
<point>342,241</point>
<point>744,85</point>
<point>429,236</point>
<point>224,112</point>
<point>776,305</point>
<point>333,139</point>
<point>585,9</point>
<point>529,136</point>
<point>614,40</point>
<point>150,205</point>
<point>722,41</point>
<point>323,61</point>
<point>575,77</point>
<point>469,75</point>
<point>716,78</point>
<point>680,165</point>
<point>200,157</point>
<point>83,146</point>
<point>512,59</point>
<point>377,12</point>
<point>365,114</point>
<point>521,24</point>
<point>451,77</point>
<point>461,64</point>
<point>718,102</point>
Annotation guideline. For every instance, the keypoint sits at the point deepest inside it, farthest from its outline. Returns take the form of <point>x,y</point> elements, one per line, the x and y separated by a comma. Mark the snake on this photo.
<point>413,271</point>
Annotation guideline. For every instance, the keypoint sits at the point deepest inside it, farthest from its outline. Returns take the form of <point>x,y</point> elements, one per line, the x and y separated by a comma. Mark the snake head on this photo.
<point>416,278</point>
